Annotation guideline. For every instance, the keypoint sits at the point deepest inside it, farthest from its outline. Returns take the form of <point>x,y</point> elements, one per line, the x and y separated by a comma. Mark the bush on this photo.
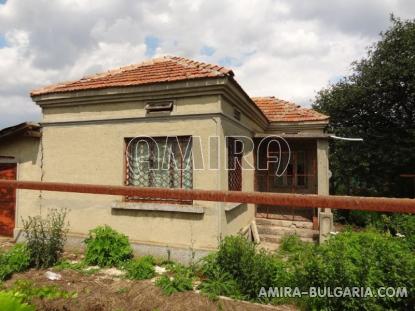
<point>106,247</point>
<point>16,259</point>
<point>181,281</point>
<point>396,224</point>
<point>209,265</point>
<point>358,259</point>
<point>252,269</point>
<point>294,251</point>
<point>45,238</point>
<point>140,269</point>
<point>220,283</point>
<point>400,225</point>
<point>233,255</point>
<point>9,302</point>
<point>366,259</point>
<point>358,218</point>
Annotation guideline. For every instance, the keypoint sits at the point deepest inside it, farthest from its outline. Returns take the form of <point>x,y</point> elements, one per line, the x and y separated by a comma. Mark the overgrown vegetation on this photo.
<point>19,296</point>
<point>27,290</point>
<point>395,224</point>
<point>45,238</point>
<point>15,260</point>
<point>365,259</point>
<point>218,282</point>
<point>9,302</point>
<point>247,266</point>
<point>106,247</point>
<point>181,279</point>
<point>80,267</point>
<point>140,269</point>
<point>354,259</point>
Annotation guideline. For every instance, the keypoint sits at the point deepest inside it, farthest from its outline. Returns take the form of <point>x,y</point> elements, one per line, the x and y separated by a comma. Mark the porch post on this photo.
<point>325,216</point>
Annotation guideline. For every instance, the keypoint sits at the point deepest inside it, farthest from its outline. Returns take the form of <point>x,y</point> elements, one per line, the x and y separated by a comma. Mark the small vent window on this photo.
<point>237,114</point>
<point>166,106</point>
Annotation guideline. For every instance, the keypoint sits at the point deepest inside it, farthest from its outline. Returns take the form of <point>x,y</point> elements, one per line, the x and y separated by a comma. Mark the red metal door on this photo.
<point>7,200</point>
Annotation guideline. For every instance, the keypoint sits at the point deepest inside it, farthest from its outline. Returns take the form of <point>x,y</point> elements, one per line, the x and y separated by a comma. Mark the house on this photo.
<point>113,128</point>
<point>19,159</point>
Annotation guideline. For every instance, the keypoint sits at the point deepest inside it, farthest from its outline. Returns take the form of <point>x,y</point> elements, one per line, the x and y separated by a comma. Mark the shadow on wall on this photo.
<point>156,214</point>
<point>236,212</point>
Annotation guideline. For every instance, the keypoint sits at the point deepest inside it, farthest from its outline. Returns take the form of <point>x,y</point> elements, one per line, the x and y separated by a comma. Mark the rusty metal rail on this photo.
<point>276,199</point>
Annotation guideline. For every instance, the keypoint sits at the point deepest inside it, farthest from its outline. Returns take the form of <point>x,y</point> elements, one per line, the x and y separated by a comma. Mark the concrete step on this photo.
<point>276,239</point>
<point>275,230</point>
<point>271,247</point>
<point>285,223</point>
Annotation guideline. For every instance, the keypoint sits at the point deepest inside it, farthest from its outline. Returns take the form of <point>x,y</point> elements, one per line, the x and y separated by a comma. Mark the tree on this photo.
<point>377,103</point>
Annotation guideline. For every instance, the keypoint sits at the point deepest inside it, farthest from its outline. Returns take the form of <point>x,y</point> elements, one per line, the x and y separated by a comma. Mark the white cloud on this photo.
<point>286,48</point>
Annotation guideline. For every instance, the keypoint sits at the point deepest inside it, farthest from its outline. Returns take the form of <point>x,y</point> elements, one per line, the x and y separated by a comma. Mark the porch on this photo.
<point>289,165</point>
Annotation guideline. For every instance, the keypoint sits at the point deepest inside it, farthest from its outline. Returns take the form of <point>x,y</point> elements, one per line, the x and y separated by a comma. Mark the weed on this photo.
<point>181,281</point>
<point>16,259</point>
<point>67,265</point>
<point>26,290</point>
<point>80,267</point>
<point>365,259</point>
<point>140,269</point>
<point>220,283</point>
<point>250,268</point>
<point>45,238</point>
<point>10,302</point>
<point>106,247</point>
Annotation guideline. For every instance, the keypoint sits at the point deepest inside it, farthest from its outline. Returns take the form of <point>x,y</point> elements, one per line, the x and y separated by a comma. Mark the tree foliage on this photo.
<point>377,103</point>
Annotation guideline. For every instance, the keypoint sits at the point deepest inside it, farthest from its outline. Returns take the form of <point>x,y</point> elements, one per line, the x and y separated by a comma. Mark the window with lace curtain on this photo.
<point>164,162</point>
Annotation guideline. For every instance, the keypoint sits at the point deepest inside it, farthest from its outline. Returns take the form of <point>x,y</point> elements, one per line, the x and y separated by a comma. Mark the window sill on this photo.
<point>159,207</point>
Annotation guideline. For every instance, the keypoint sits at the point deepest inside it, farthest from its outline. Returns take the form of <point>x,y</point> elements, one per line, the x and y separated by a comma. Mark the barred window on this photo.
<point>235,150</point>
<point>164,162</point>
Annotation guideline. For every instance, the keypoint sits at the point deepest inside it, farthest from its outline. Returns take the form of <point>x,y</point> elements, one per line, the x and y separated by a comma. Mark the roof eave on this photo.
<point>28,129</point>
<point>84,96</point>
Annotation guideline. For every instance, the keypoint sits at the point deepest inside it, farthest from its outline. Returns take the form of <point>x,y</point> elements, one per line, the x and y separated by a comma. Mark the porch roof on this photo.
<point>278,110</point>
<point>31,129</point>
<point>296,135</point>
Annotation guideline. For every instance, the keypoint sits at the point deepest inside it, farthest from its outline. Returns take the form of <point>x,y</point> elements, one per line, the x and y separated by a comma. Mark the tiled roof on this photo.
<point>164,69</point>
<point>22,128</point>
<point>278,110</point>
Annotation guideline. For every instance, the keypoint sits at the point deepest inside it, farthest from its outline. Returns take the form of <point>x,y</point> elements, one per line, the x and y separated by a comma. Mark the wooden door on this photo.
<point>7,201</point>
<point>299,177</point>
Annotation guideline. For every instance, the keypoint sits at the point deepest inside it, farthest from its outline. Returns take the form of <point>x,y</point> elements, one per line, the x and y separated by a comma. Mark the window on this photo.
<point>235,151</point>
<point>159,107</point>
<point>237,114</point>
<point>296,172</point>
<point>164,162</point>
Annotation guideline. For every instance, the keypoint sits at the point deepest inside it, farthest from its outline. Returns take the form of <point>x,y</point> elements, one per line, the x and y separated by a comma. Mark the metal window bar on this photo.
<point>234,164</point>
<point>177,174</point>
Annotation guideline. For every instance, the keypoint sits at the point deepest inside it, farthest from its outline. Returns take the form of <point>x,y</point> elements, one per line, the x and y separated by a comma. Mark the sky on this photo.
<point>290,49</point>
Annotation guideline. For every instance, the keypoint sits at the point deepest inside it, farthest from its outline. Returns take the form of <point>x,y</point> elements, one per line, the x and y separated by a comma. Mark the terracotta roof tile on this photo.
<point>164,69</point>
<point>278,110</point>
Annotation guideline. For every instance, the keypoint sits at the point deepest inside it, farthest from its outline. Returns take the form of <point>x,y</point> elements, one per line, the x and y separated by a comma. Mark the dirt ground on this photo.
<point>100,292</point>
